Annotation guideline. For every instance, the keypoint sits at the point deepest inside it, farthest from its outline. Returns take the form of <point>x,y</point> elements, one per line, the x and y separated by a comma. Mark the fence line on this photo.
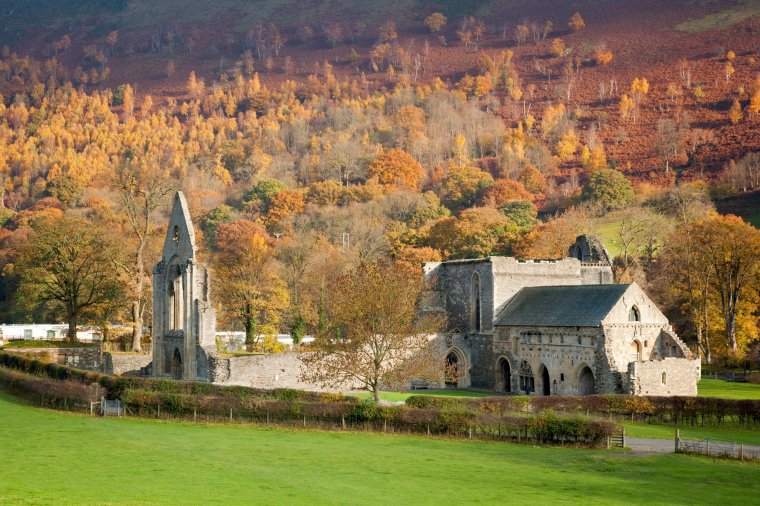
<point>714,447</point>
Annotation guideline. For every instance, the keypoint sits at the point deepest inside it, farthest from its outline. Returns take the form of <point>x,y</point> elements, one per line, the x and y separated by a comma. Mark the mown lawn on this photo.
<point>59,458</point>
<point>728,390</point>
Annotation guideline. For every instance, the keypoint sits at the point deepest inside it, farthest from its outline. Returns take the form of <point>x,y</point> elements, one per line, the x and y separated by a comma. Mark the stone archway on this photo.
<point>503,375</point>
<point>636,351</point>
<point>586,381</point>
<point>455,369</point>
<point>546,384</point>
<point>177,370</point>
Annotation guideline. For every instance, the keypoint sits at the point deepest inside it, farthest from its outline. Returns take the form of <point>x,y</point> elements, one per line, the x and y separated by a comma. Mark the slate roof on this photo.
<point>561,306</point>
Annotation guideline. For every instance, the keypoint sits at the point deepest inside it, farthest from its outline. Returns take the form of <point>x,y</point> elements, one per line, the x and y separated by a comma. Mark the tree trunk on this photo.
<point>137,302</point>
<point>250,328</point>
<point>376,393</point>
<point>137,329</point>
<point>71,335</point>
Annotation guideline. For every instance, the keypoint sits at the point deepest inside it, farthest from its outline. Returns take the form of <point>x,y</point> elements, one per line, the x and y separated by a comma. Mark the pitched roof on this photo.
<point>561,306</point>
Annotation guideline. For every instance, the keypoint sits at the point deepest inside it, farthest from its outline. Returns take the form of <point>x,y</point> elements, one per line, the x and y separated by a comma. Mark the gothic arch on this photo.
<point>634,315</point>
<point>177,370</point>
<point>456,369</point>
<point>503,374</point>
<point>586,380</point>
<point>636,351</point>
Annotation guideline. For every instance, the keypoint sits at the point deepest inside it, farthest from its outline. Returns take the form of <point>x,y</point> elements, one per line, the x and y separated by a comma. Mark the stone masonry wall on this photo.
<point>89,359</point>
<point>275,370</point>
<point>131,364</point>
<point>669,376</point>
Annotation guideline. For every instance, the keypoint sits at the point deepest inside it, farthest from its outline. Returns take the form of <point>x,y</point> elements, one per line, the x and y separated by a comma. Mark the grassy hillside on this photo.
<point>59,458</point>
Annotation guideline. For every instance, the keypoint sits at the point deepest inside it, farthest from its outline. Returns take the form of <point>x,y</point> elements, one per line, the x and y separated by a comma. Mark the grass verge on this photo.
<point>728,390</point>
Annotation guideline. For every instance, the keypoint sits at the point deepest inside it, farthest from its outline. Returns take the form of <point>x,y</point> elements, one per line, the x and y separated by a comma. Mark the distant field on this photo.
<point>59,458</point>
<point>728,390</point>
<point>723,19</point>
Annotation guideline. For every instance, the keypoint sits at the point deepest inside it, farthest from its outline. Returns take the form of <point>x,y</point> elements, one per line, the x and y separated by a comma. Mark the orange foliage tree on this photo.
<point>397,167</point>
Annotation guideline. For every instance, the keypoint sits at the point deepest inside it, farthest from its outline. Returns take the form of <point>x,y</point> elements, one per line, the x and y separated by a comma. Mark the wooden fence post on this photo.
<point>230,415</point>
<point>195,414</point>
<point>678,438</point>
<point>741,451</point>
<point>623,436</point>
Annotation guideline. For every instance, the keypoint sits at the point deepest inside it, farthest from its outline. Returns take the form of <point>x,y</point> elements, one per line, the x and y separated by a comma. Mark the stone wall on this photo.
<point>268,371</point>
<point>669,376</point>
<point>126,364</point>
<point>89,359</point>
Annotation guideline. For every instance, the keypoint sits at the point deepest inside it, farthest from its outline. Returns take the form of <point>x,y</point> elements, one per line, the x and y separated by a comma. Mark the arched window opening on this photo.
<point>175,310</point>
<point>175,237</point>
<point>586,383</point>
<point>504,376</point>
<point>476,303</point>
<point>634,315</point>
<point>527,381</point>
<point>664,379</point>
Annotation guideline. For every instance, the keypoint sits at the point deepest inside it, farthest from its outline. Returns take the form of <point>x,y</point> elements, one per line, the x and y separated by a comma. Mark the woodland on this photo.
<point>315,150</point>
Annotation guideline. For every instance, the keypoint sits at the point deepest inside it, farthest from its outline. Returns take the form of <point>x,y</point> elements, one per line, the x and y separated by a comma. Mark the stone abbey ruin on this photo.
<point>549,327</point>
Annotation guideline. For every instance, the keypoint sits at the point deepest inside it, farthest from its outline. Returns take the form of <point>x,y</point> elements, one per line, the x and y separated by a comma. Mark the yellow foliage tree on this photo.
<point>576,23</point>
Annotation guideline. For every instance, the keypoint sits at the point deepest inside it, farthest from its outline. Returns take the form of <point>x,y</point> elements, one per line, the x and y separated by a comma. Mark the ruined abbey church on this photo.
<point>548,327</point>
<point>554,327</point>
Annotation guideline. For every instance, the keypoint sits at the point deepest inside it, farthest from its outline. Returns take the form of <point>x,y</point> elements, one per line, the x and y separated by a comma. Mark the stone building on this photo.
<point>546,327</point>
<point>184,321</point>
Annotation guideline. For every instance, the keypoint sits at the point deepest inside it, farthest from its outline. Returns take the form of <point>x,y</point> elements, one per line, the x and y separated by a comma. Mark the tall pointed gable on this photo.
<point>180,235</point>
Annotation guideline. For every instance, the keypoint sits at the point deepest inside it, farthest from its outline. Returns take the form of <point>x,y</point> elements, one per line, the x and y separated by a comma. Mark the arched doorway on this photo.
<point>452,373</point>
<point>527,381</point>
<point>635,351</point>
<point>546,385</point>
<point>177,365</point>
<point>586,383</point>
<point>503,375</point>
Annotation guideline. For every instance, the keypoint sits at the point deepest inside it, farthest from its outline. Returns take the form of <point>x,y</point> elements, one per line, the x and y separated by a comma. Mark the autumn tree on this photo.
<point>397,167</point>
<point>376,337</point>
<point>639,89</point>
<point>67,265</point>
<point>557,48</point>
<point>503,191</point>
<point>608,188</point>
<point>462,184</point>
<point>246,281</point>
<point>435,22</point>
<point>576,23</point>
<point>475,233</point>
<point>552,239</point>
<point>142,187</point>
<point>602,55</point>
<point>735,114</point>
<point>732,254</point>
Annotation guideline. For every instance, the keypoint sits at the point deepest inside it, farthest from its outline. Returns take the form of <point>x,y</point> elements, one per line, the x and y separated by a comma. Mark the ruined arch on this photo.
<point>175,291</point>
<point>527,380</point>
<point>456,371</point>
<point>503,375</point>
<point>546,384</point>
<point>475,303</point>
<point>586,381</point>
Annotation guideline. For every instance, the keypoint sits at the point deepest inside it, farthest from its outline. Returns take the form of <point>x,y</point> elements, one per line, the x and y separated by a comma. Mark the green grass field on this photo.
<point>50,457</point>
<point>727,390</point>
<point>743,10</point>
